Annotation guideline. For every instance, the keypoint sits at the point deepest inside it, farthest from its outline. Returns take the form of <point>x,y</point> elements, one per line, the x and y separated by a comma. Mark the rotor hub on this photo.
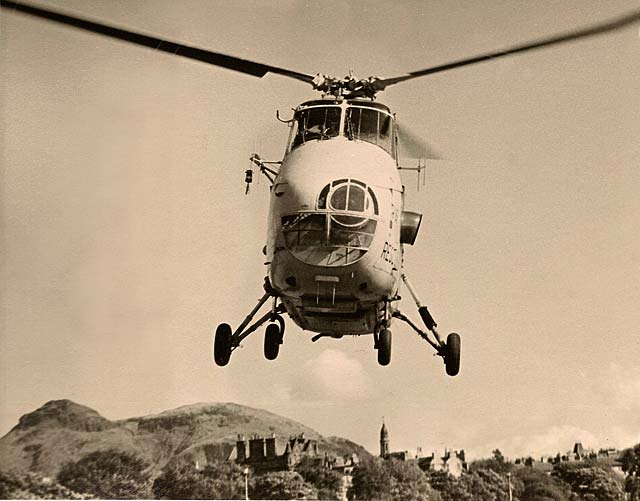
<point>348,87</point>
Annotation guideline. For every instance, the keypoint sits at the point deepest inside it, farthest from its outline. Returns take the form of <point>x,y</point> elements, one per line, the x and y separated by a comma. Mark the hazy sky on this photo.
<point>126,237</point>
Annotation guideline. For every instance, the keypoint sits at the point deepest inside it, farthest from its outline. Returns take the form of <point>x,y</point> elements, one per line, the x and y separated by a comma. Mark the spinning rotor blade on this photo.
<point>206,56</point>
<point>589,31</point>
<point>413,146</point>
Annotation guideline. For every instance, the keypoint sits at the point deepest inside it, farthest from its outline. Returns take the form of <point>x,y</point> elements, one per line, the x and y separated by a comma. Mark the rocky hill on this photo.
<point>61,431</point>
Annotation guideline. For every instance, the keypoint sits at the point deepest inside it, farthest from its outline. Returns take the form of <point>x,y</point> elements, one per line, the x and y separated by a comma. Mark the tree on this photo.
<point>630,461</point>
<point>497,463</point>
<point>486,484</point>
<point>282,485</point>
<point>536,485</point>
<point>369,480</point>
<point>390,480</point>
<point>327,482</point>
<point>108,474</point>
<point>590,481</point>
<point>449,487</point>
<point>29,485</point>
<point>217,480</point>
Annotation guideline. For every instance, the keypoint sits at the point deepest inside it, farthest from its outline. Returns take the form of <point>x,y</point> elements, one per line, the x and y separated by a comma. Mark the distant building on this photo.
<point>342,464</point>
<point>401,456</point>
<point>452,462</point>
<point>577,453</point>
<point>384,441</point>
<point>263,454</point>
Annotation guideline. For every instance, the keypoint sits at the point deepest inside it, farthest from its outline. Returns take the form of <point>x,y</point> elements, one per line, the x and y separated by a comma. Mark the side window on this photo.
<point>385,129</point>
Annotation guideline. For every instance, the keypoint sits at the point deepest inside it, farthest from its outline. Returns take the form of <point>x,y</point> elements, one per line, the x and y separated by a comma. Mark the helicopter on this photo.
<point>337,227</point>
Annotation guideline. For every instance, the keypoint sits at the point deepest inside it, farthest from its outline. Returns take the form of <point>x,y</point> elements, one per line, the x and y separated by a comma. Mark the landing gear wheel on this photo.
<point>222,345</point>
<point>452,357</point>
<point>272,341</point>
<point>384,347</point>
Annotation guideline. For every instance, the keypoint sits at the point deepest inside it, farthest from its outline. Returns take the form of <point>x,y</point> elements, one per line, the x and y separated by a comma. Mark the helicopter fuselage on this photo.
<point>334,239</point>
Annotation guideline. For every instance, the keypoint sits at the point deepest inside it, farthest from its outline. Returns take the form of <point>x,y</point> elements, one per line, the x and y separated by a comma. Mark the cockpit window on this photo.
<point>339,198</point>
<point>323,239</point>
<point>369,125</point>
<point>321,122</point>
<point>348,195</point>
<point>339,231</point>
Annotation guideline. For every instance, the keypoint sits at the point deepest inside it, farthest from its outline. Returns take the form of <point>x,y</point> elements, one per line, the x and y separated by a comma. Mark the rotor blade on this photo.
<point>414,146</point>
<point>589,31</point>
<point>206,56</point>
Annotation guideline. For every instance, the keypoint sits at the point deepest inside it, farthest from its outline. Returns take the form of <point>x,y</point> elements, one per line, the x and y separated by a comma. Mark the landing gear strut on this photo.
<point>449,351</point>
<point>225,341</point>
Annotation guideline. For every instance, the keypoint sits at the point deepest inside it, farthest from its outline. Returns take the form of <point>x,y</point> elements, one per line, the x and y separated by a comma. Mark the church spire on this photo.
<point>384,440</point>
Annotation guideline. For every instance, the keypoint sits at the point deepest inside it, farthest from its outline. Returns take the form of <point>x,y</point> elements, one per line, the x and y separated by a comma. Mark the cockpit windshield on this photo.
<point>361,121</point>
<point>371,125</point>
<point>322,122</point>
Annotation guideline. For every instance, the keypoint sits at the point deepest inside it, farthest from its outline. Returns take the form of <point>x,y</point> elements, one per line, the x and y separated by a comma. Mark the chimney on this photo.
<point>256,449</point>
<point>241,449</point>
<point>270,445</point>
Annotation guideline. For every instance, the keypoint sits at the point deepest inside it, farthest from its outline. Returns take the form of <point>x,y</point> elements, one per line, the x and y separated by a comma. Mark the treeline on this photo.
<point>113,474</point>
<point>496,479</point>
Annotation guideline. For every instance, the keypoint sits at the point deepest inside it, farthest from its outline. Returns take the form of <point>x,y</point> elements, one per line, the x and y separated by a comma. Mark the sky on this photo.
<point>126,236</point>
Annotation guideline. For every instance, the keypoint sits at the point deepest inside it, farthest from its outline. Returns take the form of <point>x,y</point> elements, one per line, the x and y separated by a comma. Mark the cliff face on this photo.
<point>61,431</point>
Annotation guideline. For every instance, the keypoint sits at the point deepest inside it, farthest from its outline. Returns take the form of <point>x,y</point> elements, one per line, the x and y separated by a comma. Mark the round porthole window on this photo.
<point>348,195</point>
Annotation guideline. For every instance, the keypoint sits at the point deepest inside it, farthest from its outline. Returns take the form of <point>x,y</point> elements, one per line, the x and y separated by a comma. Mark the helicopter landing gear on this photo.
<point>384,347</point>
<point>222,345</point>
<point>225,341</point>
<point>382,336</point>
<point>452,355</point>
<point>449,351</point>
<point>273,338</point>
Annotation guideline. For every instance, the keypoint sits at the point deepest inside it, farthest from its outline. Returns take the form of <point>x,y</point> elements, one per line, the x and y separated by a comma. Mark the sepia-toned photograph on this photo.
<point>342,250</point>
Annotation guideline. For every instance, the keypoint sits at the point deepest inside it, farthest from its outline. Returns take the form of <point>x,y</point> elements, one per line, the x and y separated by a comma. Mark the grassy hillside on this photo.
<point>61,431</point>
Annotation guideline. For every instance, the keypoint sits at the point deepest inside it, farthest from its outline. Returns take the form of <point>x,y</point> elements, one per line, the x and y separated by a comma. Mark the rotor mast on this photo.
<point>347,87</point>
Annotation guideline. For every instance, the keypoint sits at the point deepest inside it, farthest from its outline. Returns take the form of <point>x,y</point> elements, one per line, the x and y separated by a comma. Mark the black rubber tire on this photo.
<point>452,360</point>
<point>272,340</point>
<point>222,345</point>
<point>384,347</point>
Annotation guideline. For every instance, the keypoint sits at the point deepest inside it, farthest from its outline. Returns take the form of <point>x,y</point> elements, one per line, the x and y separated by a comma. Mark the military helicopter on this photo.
<point>337,225</point>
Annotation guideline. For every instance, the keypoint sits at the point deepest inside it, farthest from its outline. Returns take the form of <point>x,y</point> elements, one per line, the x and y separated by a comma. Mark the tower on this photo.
<point>384,441</point>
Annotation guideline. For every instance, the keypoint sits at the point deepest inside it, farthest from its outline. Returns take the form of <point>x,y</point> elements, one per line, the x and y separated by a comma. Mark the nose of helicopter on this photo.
<point>332,204</point>
<point>331,248</point>
<point>341,281</point>
<point>335,231</point>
